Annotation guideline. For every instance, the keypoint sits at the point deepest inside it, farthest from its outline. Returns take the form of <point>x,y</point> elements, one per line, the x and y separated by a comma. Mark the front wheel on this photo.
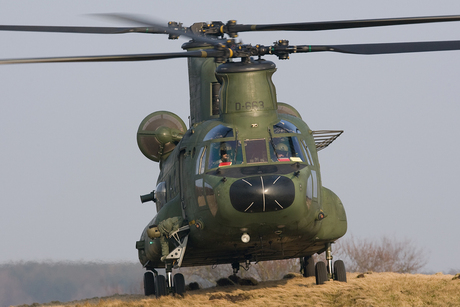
<point>308,266</point>
<point>160,286</point>
<point>320,273</point>
<point>179,284</point>
<point>340,274</point>
<point>149,283</point>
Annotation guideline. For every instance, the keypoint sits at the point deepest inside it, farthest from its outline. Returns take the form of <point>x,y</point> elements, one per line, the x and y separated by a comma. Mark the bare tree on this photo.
<point>382,255</point>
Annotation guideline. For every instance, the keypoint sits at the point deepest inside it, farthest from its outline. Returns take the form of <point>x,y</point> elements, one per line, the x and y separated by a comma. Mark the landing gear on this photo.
<point>321,273</point>
<point>235,267</point>
<point>329,260</point>
<point>176,284</point>
<point>324,271</point>
<point>160,286</point>
<point>340,273</point>
<point>307,266</point>
<point>179,284</point>
<point>149,283</point>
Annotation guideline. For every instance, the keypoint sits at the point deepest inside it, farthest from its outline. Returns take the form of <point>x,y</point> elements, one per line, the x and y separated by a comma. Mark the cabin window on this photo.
<point>160,195</point>
<point>285,149</point>
<point>308,153</point>
<point>256,151</point>
<point>200,162</point>
<point>225,154</point>
<point>219,132</point>
<point>283,126</point>
<point>312,186</point>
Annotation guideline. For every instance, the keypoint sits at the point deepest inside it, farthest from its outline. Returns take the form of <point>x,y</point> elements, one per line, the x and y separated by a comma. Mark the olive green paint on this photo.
<point>248,107</point>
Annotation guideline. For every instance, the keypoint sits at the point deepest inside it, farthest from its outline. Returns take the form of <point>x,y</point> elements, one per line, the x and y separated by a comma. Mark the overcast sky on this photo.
<point>71,171</point>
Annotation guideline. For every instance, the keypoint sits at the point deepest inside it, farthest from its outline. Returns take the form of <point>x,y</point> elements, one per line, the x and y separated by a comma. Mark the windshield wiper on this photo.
<point>272,143</point>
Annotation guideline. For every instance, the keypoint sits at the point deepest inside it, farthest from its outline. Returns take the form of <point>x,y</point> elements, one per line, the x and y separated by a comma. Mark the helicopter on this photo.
<point>244,179</point>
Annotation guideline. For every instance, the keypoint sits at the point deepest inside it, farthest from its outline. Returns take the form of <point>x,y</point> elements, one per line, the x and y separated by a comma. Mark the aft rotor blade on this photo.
<point>70,29</point>
<point>118,58</point>
<point>344,24</point>
<point>384,48</point>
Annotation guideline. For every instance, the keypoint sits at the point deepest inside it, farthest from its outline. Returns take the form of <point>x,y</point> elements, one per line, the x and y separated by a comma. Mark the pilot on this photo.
<point>224,156</point>
<point>163,231</point>
<point>282,151</point>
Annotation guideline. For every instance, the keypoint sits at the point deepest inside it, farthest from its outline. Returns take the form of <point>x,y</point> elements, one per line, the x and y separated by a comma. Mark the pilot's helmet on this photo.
<point>282,148</point>
<point>153,232</point>
<point>225,147</point>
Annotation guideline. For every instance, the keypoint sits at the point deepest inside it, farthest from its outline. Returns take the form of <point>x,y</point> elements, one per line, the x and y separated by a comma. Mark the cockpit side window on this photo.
<point>256,151</point>
<point>160,194</point>
<point>225,154</point>
<point>283,126</point>
<point>307,150</point>
<point>201,160</point>
<point>219,132</point>
<point>284,149</point>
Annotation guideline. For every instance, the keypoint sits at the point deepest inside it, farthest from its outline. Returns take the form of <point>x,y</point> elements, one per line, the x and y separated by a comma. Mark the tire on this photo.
<point>149,283</point>
<point>320,273</point>
<point>340,274</point>
<point>160,286</point>
<point>308,266</point>
<point>179,284</point>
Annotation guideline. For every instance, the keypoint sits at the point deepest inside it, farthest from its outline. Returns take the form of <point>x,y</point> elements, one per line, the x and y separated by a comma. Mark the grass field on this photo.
<point>374,289</point>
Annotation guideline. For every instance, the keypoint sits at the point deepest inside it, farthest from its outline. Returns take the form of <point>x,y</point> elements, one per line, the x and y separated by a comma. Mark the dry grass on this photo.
<point>376,289</point>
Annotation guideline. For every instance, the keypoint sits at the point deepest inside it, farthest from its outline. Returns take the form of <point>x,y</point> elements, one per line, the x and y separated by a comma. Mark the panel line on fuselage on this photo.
<point>263,194</point>
<point>249,207</point>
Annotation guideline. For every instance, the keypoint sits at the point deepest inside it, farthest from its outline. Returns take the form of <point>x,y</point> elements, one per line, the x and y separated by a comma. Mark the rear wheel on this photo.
<point>149,283</point>
<point>320,273</point>
<point>160,285</point>
<point>179,284</point>
<point>340,274</point>
<point>308,266</point>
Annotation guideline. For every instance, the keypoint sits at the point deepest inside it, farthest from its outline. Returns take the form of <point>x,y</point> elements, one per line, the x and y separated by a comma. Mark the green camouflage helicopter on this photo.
<point>242,184</point>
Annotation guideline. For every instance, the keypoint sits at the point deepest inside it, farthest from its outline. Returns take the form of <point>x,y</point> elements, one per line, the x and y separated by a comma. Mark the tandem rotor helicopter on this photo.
<point>242,183</point>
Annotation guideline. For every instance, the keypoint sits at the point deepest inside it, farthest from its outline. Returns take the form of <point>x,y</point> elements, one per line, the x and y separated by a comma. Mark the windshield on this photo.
<point>283,126</point>
<point>219,132</point>
<point>256,151</point>
<point>285,149</point>
<point>225,154</point>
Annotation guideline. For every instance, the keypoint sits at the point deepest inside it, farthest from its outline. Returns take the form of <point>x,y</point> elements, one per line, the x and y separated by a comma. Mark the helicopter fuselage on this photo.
<point>247,180</point>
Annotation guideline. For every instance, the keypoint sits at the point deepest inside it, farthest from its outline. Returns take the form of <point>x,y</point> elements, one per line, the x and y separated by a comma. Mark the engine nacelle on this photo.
<point>159,133</point>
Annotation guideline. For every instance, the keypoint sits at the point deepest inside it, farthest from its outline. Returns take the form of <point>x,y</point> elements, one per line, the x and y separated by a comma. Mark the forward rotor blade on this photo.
<point>385,48</point>
<point>69,29</point>
<point>344,24</point>
<point>187,32</point>
<point>119,58</point>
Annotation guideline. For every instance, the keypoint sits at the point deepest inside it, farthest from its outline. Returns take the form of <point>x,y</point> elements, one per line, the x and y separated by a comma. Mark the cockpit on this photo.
<point>284,143</point>
<point>255,169</point>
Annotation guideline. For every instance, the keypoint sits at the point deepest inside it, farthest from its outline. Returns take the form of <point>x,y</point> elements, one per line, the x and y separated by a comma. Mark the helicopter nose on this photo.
<point>262,193</point>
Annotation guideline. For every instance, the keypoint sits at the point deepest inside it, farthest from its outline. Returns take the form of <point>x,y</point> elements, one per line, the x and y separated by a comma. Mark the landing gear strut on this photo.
<point>235,267</point>
<point>329,260</point>
<point>176,284</point>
